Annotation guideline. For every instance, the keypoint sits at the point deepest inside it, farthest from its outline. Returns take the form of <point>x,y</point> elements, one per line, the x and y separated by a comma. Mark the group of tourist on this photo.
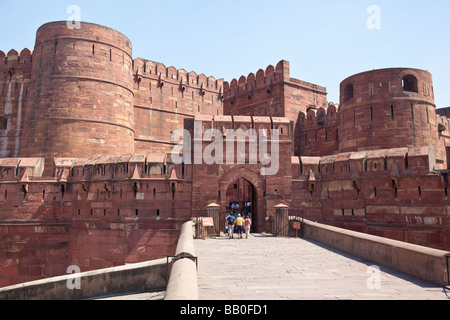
<point>236,223</point>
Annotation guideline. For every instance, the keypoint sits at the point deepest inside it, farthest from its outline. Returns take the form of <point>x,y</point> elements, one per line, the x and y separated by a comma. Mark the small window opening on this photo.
<point>173,191</point>
<point>410,83</point>
<point>371,116</point>
<point>24,189</point>
<point>182,170</point>
<point>348,92</point>
<point>3,123</point>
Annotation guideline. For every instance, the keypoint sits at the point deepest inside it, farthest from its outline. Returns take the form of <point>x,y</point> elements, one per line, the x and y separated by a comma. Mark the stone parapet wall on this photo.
<point>421,262</point>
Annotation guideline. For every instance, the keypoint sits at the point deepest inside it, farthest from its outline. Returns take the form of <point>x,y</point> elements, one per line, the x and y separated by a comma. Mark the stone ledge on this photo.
<point>419,261</point>
<point>138,277</point>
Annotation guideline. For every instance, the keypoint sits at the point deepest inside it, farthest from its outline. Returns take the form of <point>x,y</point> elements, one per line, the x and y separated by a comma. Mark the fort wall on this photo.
<point>273,93</point>
<point>212,180</point>
<point>15,75</point>
<point>86,177</point>
<point>94,213</point>
<point>387,108</point>
<point>164,97</point>
<point>391,193</point>
<point>319,131</point>
<point>81,92</point>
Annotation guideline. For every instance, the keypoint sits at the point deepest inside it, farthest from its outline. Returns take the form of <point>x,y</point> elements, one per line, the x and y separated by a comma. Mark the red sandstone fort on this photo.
<point>87,177</point>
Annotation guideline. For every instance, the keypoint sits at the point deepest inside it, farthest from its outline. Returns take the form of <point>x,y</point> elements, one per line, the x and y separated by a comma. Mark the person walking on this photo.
<point>240,225</point>
<point>247,224</point>
<point>226,223</point>
<point>230,221</point>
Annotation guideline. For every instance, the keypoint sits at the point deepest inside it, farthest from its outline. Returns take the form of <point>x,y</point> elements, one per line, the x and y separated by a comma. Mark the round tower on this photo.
<point>387,108</point>
<point>81,97</point>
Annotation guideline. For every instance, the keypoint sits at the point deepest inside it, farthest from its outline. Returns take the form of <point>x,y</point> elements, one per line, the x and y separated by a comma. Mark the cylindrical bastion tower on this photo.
<point>387,108</point>
<point>81,97</point>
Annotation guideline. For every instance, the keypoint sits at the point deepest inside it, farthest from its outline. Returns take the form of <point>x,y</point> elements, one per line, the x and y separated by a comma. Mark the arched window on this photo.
<point>348,92</point>
<point>409,83</point>
<point>3,123</point>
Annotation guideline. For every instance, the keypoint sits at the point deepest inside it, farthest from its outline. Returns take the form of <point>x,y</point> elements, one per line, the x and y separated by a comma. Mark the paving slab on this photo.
<point>264,267</point>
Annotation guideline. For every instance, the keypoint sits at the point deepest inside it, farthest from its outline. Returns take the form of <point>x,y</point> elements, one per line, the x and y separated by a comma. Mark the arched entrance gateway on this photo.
<point>239,200</point>
<point>242,186</point>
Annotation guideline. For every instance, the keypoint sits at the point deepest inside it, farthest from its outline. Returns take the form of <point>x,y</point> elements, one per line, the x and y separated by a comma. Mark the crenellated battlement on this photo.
<point>315,118</point>
<point>21,169</point>
<point>392,163</point>
<point>263,79</point>
<point>102,168</point>
<point>260,125</point>
<point>165,96</point>
<point>158,71</point>
<point>13,59</point>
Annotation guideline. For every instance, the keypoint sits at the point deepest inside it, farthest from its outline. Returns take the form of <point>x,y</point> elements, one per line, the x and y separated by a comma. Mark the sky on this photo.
<point>324,41</point>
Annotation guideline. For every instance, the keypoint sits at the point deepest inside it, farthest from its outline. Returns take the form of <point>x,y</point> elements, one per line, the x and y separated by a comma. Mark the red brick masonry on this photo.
<point>87,179</point>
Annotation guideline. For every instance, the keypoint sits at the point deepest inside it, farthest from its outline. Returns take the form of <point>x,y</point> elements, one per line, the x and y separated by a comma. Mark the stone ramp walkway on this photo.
<point>268,268</point>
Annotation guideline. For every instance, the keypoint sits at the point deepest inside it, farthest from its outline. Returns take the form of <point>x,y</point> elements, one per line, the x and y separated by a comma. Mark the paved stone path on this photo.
<point>268,268</point>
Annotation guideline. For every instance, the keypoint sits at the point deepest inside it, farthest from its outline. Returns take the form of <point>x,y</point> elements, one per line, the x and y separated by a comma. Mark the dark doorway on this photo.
<point>447,150</point>
<point>241,198</point>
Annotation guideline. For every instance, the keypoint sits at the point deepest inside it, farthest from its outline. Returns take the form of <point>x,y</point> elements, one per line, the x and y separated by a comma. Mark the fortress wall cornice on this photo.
<point>263,78</point>
<point>393,163</point>
<point>15,60</point>
<point>94,41</point>
<point>158,71</point>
